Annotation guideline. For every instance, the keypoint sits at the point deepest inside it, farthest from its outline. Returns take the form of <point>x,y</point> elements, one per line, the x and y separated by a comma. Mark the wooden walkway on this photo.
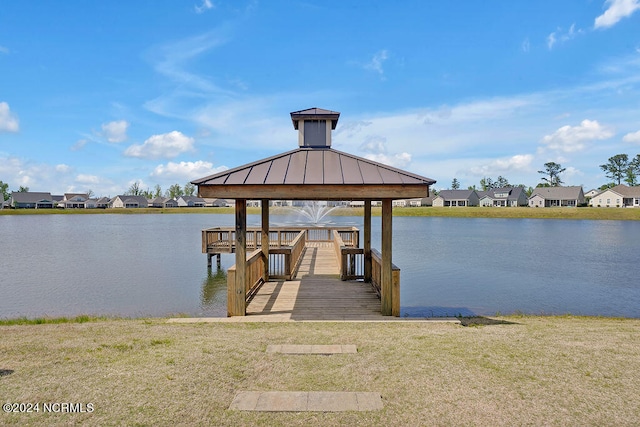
<point>316,293</point>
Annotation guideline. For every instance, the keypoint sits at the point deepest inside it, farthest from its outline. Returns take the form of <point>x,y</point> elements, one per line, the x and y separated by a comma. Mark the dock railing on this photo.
<point>350,259</point>
<point>376,280</point>
<point>254,276</point>
<point>218,240</point>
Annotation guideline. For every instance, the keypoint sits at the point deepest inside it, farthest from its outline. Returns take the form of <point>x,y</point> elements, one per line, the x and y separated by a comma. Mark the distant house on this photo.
<point>503,197</point>
<point>589,194</point>
<point>217,203</point>
<point>31,200</point>
<point>74,201</point>
<point>618,196</point>
<point>163,202</point>
<point>191,202</point>
<point>548,197</point>
<point>102,203</point>
<point>450,198</point>
<point>126,201</point>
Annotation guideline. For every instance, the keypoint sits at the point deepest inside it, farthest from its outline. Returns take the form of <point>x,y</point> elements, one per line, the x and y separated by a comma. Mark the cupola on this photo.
<point>314,127</point>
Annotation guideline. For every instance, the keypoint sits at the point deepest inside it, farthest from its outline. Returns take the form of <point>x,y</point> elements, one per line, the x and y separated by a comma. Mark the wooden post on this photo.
<point>265,238</point>
<point>236,305</point>
<point>367,241</point>
<point>386,288</point>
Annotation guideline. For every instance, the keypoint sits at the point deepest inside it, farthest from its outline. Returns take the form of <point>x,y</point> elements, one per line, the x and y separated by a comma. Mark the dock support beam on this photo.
<point>236,303</point>
<point>265,237</point>
<point>367,241</point>
<point>386,288</point>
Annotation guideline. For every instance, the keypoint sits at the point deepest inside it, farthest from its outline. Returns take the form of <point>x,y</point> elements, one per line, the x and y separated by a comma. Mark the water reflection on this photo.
<point>214,288</point>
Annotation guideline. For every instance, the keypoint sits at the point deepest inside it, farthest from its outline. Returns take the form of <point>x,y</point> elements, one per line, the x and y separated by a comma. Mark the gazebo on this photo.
<point>314,171</point>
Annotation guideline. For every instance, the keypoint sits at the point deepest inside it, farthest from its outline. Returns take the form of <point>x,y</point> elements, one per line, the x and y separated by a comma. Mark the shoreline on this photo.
<point>586,213</point>
<point>475,320</point>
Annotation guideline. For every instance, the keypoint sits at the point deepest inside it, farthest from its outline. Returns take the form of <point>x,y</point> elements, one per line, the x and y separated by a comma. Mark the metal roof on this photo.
<point>331,173</point>
<point>315,114</point>
<point>314,166</point>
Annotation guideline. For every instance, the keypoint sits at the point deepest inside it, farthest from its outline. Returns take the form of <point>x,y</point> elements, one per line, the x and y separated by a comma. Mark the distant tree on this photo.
<point>189,189</point>
<point>527,190</point>
<point>23,189</point>
<point>607,186</point>
<point>472,187</point>
<point>552,172</point>
<point>486,184</point>
<point>502,182</point>
<point>616,167</point>
<point>147,193</point>
<point>134,190</point>
<point>174,191</point>
<point>455,185</point>
<point>634,171</point>
<point>157,191</point>
<point>90,194</point>
<point>4,190</point>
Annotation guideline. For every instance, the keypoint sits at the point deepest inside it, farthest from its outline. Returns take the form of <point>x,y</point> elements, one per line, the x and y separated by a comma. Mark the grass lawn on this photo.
<point>468,212</point>
<point>517,370</point>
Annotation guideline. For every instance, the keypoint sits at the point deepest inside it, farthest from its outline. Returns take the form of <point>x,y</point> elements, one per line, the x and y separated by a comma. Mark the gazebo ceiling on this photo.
<point>314,173</point>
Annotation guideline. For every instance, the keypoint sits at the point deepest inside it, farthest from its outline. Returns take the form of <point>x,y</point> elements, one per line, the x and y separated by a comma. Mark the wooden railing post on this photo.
<point>386,291</point>
<point>265,238</point>
<point>367,240</point>
<point>236,306</point>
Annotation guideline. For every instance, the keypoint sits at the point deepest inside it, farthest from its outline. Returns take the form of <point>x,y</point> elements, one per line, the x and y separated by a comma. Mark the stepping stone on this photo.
<point>306,401</point>
<point>312,349</point>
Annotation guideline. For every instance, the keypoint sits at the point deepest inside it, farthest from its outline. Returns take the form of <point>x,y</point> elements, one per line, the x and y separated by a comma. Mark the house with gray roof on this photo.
<point>619,196</point>
<point>451,198</point>
<point>191,202</point>
<point>31,200</point>
<point>503,197</point>
<point>126,201</point>
<point>163,202</point>
<point>547,197</point>
<point>74,201</point>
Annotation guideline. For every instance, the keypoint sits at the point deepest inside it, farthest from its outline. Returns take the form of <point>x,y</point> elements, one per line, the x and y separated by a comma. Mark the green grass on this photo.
<point>50,320</point>
<point>468,212</point>
<point>503,371</point>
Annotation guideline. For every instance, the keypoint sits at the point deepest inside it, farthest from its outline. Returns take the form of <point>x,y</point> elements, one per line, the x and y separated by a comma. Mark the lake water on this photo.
<point>152,265</point>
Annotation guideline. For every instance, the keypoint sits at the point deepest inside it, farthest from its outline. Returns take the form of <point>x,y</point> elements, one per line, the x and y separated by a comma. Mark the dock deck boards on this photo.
<point>316,293</point>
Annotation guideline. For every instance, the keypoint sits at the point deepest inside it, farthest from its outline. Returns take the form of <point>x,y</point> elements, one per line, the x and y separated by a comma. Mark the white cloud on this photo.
<point>186,170</point>
<point>519,162</point>
<point>617,9</point>
<point>376,62</point>
<point>62,168</point>
<point>633,137</point>
<point>206,5</point>
<point>526,45</point>
<point>4,50</point>
<point>400,160</point>
<point>571,139</point>
<point>115,131</point>
<point>87,179</point>
<point>562,36</point>
<point>168,145</point>
<point>79,145</point>
<point>551,40</point>
<point>8,120</point>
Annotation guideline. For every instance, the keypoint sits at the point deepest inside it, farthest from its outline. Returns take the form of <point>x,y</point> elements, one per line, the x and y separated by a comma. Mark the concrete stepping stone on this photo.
<point>312,349</point>
<point>306,401</point>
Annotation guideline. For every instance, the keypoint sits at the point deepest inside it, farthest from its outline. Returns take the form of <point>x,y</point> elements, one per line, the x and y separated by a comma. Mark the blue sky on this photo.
<point>98,95</point>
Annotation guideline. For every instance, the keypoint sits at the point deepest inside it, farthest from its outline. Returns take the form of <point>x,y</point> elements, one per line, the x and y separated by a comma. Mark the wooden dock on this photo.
<point>315,293</point>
